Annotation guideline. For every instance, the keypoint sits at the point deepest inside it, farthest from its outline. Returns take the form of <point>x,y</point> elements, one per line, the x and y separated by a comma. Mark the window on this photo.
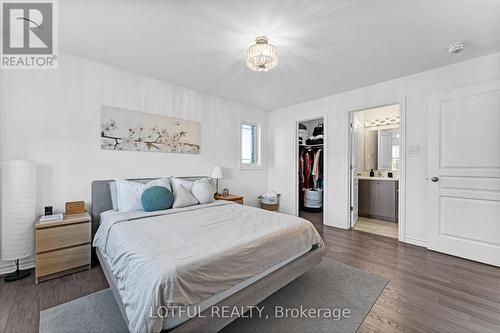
<point>249,145</point>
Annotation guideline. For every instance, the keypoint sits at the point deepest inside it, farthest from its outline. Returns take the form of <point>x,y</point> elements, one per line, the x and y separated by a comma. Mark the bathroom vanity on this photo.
<point>378,198</point>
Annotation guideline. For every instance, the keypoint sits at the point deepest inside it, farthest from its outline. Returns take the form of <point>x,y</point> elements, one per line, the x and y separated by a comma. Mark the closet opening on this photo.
<point>311,142</point>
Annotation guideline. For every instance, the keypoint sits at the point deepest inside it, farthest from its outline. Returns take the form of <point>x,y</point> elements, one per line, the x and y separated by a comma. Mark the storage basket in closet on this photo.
<point>313,198</point>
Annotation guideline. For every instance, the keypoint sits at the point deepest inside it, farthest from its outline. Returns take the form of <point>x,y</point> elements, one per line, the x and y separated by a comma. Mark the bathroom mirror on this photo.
<point>381,149</point>
<point>388,149</point>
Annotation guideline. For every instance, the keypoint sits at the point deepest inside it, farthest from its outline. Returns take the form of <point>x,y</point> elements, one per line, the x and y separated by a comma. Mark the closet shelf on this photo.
<point>317,145</point>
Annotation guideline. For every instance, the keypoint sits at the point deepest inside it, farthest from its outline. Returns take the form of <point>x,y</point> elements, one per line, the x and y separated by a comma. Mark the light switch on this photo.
<point>413,149</point>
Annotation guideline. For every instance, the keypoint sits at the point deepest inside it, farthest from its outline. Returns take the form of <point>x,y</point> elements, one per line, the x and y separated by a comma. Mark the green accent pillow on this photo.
<point>156,198</point>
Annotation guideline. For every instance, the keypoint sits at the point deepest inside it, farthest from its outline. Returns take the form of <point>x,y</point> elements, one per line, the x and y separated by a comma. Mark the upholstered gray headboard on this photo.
<point>101,197</point>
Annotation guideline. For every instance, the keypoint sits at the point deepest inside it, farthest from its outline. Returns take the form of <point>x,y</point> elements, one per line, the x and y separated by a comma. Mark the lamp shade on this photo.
<point>217,172</point>
<point>18,209</point>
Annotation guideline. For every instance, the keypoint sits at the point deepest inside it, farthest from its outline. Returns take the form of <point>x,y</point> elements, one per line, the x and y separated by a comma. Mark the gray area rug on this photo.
<point>332,297</point>
<point>96,312</point>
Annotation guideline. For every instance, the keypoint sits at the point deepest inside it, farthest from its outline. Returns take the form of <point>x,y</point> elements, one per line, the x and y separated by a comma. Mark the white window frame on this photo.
<point>258,163</point>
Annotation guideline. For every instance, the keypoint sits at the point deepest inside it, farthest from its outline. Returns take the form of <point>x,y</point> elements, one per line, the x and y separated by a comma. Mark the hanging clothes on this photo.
<point>316,170</point>
<point>301,169</point>
<point>308,161</point>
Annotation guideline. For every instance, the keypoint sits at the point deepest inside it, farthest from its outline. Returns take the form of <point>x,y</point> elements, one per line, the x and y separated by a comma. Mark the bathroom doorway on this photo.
<point>376,158</point>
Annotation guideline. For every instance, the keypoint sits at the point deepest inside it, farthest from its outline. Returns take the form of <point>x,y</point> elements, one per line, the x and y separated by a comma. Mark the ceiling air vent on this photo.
<point>456,48</point>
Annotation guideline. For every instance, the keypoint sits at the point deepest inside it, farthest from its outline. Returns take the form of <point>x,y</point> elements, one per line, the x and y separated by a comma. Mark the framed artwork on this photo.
<point>123,129</point>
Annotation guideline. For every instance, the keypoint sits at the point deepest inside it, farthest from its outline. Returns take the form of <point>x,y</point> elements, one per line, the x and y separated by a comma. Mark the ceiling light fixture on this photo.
<point>262,56</point>
<point>456,48</point>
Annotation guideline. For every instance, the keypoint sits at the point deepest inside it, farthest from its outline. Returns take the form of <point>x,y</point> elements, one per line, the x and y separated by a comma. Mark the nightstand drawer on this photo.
<point>60,260</point>
<point>62,236</point>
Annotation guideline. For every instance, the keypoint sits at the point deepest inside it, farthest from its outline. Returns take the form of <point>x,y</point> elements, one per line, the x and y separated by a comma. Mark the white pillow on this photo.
<point>203,191</point>
<point>188,184</point>
<point>182,196</point>
<point>128,193</point>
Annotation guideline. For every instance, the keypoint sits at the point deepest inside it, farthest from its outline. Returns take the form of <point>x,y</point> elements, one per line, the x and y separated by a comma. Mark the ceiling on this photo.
<point>324,46</point>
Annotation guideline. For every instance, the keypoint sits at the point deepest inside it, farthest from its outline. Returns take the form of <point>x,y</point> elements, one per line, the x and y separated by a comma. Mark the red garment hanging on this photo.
<point>308,167</point>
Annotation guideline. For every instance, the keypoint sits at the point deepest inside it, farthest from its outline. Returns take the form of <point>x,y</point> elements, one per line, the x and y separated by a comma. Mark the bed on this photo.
<point>196,258</point>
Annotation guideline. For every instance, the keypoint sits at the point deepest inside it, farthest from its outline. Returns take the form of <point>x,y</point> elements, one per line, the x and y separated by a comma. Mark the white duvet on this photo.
<point>186,255</point>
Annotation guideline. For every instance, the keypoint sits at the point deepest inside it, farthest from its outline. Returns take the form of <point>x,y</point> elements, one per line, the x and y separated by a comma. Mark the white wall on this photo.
<point>416,89</point>
<point>52,117</point>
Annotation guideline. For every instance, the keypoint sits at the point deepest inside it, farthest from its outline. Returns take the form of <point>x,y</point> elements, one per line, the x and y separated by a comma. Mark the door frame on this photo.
<point>325,165</point>
<point>350,180</point>
<point>402,166</point>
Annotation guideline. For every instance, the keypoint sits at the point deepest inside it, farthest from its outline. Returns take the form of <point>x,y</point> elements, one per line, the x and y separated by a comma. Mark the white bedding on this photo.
<point>187,255</point>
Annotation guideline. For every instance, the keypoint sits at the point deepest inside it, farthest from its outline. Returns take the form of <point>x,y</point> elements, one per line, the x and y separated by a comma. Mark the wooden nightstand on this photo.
<point>230,197</point>
<point>62,247</point>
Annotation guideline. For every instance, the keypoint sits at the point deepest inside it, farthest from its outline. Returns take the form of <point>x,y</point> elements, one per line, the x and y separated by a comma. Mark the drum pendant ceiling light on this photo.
<point>262,57</point>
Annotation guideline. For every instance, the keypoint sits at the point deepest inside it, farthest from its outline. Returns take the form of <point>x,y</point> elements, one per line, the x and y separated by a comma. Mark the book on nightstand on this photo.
<point>52,218</point>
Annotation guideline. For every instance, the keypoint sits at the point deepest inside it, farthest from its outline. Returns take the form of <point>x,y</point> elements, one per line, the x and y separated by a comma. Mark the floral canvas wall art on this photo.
<point>123,129</point>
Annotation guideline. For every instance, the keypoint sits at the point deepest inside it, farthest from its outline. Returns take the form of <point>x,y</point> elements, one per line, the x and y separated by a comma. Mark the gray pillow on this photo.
<point>114,200</point>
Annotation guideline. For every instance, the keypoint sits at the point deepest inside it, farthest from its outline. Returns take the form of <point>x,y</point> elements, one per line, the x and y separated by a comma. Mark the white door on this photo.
<point>355,141</point>
<point>464,173</point>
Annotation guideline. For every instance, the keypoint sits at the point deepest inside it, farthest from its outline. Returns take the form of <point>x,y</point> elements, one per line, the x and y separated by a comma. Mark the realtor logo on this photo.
<point>29,39</point>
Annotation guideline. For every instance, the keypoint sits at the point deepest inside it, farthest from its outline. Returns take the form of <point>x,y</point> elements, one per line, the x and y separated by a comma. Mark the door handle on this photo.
<point>435,179</point>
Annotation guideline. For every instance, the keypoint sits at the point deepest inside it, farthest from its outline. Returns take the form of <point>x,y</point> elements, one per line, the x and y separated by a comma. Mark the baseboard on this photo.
<point>337,225</point>
<point>9,267</point>
<point>415,241</point>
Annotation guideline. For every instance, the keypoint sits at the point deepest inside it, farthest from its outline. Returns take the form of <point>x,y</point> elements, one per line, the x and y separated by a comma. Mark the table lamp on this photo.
<point>217,174</point>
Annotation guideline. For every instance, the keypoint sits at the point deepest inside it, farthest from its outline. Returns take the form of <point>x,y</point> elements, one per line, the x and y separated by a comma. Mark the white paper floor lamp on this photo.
<point>18,213</point>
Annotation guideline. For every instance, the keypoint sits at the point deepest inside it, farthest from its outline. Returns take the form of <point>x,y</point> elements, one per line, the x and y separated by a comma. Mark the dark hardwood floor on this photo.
<point>21,301</point>
<point>427,292</point>
<point>314,217</point>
